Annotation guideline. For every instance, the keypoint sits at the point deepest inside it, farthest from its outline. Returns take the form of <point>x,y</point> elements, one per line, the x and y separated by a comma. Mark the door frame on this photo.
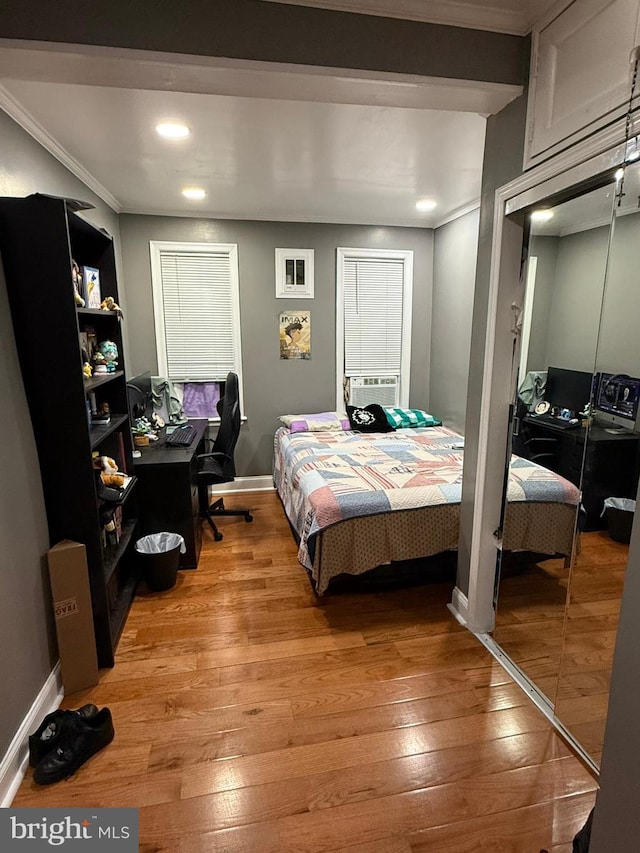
<point>586,164</point>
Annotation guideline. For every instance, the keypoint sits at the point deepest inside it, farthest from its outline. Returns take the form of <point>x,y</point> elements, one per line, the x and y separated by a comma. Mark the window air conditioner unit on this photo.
<point>374,389</point>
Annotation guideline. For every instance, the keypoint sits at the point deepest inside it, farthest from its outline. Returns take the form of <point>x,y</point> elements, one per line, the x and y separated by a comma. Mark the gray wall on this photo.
<point>27,635</point>
<point>503,152</point>
<point>574,314</point>
<point>273,386</point>
<point>569,315</point>
<point>619,342</point>
<point>454,270</point>
<point>249,29</point>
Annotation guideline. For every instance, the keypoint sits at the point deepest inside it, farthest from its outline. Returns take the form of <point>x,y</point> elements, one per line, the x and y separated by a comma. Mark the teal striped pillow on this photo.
<point>403,418</point>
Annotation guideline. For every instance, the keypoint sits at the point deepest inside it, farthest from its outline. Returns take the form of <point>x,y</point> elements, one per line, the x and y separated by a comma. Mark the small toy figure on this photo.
<point>102,414</point>
<point>76,278</point>
<point>109,473</point>
<point>110,304</point>
<point>110,353</point>
<point>87,369</point>
<point>99,363</point>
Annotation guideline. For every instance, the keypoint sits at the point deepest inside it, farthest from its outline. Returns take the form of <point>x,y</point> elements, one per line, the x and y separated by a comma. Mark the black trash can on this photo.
<point>620,512</point>
<point>159,555</point>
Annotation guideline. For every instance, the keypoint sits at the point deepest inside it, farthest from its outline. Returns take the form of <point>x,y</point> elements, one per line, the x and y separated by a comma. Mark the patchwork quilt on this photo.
<point>326,478</point>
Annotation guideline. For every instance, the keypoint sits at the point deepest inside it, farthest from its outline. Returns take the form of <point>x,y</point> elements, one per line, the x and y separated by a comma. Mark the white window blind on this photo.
<point>373,315</point>
<point>197,312</point>
<point>374,290</point>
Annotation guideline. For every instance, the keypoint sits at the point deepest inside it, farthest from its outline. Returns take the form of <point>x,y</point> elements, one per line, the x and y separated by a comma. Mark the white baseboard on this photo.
<point>244,484</point>
<point>16,760</point>
<point>459,606</point>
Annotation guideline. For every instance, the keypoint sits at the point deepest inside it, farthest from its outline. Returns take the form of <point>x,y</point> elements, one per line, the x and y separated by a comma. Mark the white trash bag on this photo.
<point>620,514</point>
<point>160,543</point>
<point>625,504</point>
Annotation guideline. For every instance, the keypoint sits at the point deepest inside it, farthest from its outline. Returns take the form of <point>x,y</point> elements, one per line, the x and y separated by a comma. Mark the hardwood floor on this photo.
<point>253,717</point>
<point>565,642</point>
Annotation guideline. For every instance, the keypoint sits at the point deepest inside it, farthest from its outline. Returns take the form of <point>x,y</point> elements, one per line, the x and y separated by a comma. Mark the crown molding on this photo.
<point>457,213</point>
<point>27,122</point>
<point>446,12</point>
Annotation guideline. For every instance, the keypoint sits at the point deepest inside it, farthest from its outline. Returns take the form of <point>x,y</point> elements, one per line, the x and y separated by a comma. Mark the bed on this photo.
<point>360,500</point>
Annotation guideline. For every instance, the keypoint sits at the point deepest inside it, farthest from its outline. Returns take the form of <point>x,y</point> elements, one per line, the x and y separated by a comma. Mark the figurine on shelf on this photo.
<point>110,353</point>
<point>108,468</point>
<point>87,370</point>
<point>99,363</point>
<point>110,304</point>
<point>76,278</point>
<point>102,414</point>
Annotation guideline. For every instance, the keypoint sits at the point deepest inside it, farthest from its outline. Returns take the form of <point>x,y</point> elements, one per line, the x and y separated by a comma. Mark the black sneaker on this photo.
<point>47,736</point>
<point>80,739</point>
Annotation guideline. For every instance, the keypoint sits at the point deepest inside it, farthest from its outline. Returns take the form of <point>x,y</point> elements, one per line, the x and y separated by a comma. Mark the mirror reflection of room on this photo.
<point>597,577</point>
<point>577,419</point>
<point>564,284</point>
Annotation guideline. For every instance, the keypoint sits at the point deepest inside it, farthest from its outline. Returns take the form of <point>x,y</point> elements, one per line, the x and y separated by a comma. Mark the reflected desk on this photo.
<point>168,491</point>
<point>610,463</point>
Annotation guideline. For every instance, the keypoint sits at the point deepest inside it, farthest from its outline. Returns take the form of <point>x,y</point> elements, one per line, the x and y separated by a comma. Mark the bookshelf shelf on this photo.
<point>114,554</point>
<point>44,232</point>
<point>98,432</point>
<point>102,379</point>
<point>96,312</point>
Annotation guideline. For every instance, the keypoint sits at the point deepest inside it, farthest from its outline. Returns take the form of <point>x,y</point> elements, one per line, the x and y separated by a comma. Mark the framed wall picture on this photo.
<point>91,287</point>
<point>294,273</point>
<point>295,334</point>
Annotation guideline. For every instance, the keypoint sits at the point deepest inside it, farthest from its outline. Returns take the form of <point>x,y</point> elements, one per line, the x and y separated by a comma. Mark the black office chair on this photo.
<point>529,444</point>
<point>218,466</point>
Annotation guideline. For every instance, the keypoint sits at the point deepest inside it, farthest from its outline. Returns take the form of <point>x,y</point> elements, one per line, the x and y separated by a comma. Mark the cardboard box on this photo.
<point>69,577</point>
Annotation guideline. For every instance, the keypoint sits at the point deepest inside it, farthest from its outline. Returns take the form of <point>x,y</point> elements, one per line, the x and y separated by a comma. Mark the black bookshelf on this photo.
<point>39,237</point>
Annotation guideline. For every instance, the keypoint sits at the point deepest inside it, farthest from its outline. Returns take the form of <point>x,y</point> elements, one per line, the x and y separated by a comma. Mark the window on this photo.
<point>373,326</point>
<point>197,318</point>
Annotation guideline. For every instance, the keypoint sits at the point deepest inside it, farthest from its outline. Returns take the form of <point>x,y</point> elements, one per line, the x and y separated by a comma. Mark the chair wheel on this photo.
<point>248,517</point>
<point>217,536</point>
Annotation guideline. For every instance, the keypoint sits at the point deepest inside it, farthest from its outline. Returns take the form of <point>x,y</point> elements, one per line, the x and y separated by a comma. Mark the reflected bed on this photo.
<point>360,500</point>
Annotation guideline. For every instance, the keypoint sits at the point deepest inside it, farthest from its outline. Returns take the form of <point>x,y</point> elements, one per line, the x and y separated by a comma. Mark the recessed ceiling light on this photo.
<point>541,215</point>
<point>172,130</point>
<point>193,193</point>
<point>426,204</point>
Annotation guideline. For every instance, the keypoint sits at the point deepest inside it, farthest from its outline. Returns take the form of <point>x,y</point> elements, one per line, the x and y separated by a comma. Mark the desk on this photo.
<point>610,463</point>
<point>168,491</point>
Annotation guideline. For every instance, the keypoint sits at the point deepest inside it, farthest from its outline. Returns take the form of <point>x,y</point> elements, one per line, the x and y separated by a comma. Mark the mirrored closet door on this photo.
<point>611,471</point>
<point>554,492</point>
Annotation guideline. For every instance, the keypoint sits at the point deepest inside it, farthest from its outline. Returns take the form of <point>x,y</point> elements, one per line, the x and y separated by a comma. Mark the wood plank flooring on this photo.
<point>253,717</point>
<point>560,627</point>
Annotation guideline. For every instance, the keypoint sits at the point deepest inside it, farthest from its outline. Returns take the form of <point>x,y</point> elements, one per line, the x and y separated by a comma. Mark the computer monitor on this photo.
<point>139,396</point>
<point>617,397</point>
<point>568,389</point>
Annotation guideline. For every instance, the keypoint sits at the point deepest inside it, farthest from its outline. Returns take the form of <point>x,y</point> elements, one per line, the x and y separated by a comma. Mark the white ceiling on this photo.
<point>314,145</point>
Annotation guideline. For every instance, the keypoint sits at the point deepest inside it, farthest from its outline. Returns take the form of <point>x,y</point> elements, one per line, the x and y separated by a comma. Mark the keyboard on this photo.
<point>181,436</point>
<point>550,420</point>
